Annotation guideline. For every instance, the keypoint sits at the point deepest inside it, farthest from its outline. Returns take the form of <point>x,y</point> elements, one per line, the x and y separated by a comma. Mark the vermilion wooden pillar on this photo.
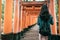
<point>21,28</point>
<point>16,28</point>
<point>26,19</point>
<point>59,15</point>
<point>16,16</point>
<point>23,19</point>
<point>0,13</point>
<point>8,17</point>
<point>52,11</point>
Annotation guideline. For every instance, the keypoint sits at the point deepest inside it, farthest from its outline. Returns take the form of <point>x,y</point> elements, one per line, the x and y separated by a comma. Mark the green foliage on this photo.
<point>56,7</point>
<point>3,2</point>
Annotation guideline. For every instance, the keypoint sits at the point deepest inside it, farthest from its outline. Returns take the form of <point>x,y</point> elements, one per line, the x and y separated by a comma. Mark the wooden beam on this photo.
<point>33,2</point>
<point>8,17</point>
<point>32,9</point>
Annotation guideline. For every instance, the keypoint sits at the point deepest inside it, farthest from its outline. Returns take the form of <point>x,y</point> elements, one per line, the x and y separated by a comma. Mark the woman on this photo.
<point>45,17</point>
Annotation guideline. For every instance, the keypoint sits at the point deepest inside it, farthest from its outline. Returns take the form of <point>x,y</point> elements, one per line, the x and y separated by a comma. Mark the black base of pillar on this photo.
<point>7,36</point>
<point>21,33</point>
<point>58,37</point>
<point>15,36</point>
<point>19,36</point>
<point>54,37</point>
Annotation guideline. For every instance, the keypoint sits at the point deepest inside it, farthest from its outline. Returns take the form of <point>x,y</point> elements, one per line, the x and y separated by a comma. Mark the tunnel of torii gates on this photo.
<point>25,14</point>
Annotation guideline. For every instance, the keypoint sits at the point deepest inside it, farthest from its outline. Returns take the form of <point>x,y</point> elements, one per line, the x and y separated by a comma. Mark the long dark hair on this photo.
<point>44,13</point>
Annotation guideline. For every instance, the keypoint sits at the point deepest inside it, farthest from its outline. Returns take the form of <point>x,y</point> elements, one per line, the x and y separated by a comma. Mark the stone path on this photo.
<point>32,34</point>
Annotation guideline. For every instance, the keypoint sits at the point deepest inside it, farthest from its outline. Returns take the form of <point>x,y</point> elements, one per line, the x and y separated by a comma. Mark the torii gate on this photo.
<point>8,17</point>
<point>52,11</point>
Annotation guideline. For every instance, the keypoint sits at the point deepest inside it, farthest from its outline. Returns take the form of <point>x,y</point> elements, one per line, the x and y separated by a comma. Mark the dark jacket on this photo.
<point>40,22</point>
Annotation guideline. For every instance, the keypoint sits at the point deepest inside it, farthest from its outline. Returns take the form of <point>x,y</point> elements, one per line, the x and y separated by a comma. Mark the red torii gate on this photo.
<point>52,11</point>
<point>8,28</point>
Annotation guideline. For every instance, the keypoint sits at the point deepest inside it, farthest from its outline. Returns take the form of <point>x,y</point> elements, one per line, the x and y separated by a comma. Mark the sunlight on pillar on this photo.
<point>8,17</point>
